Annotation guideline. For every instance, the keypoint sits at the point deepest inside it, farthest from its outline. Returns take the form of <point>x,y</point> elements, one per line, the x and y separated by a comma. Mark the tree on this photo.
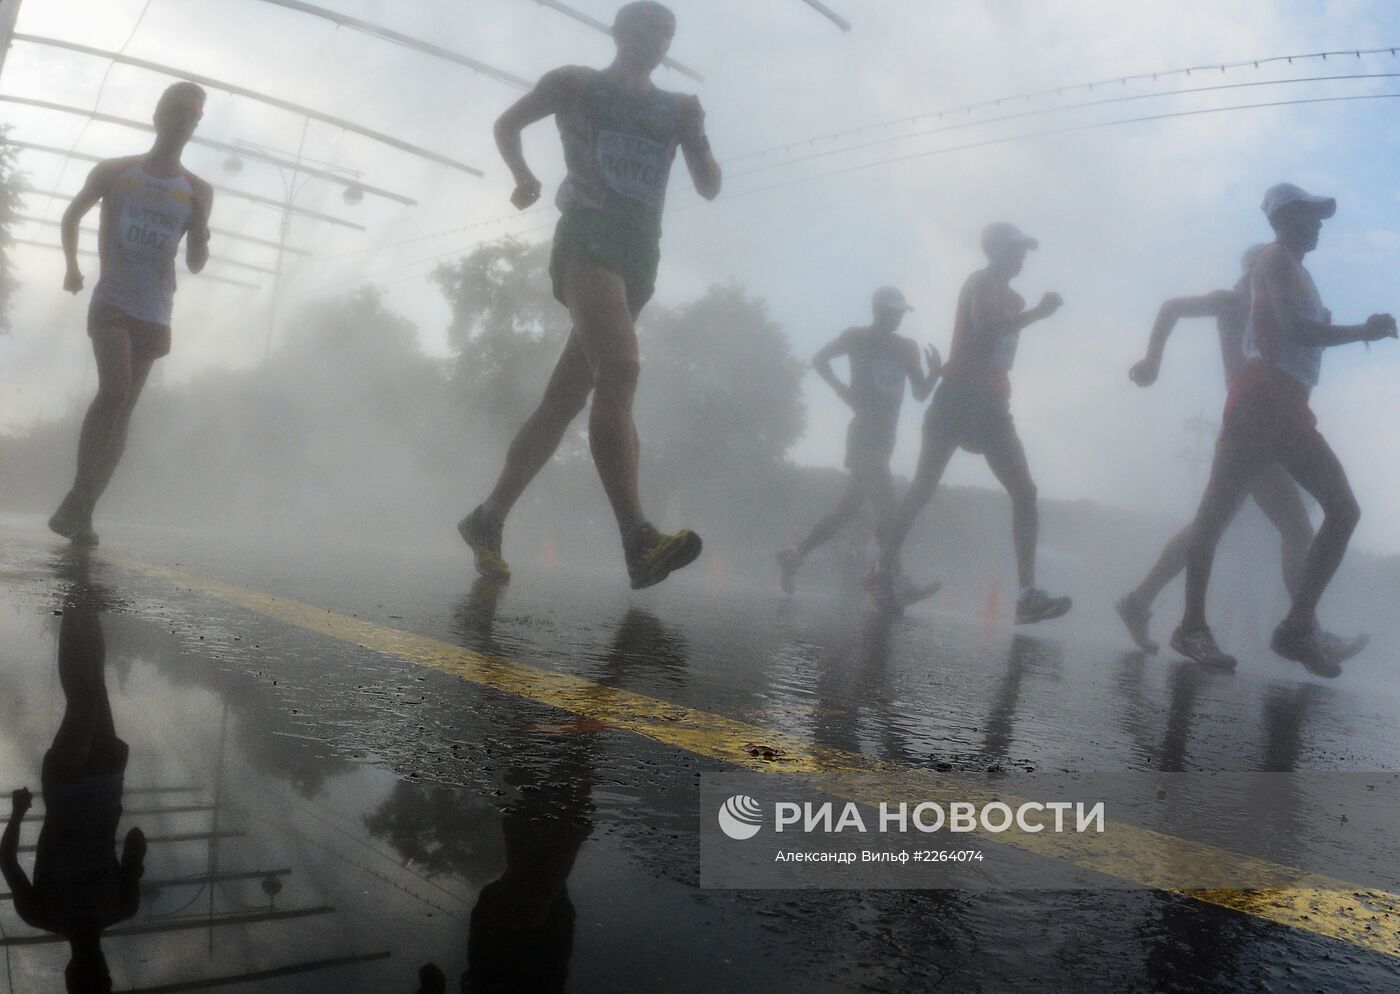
<point>720,388</point>
<point>10,186</point>
<point>507,329</point>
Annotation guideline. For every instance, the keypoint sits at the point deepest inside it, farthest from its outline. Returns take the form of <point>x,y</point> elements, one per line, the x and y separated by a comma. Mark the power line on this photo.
<point>1007,139</point>
<point>349,182</point>
<point>1043,111</point>
<point>223,232</point>
<point>242,91</point>
<point>418,45</point>
<point>829,14</point>
<point>1061,91</point>
<point>35,243</point>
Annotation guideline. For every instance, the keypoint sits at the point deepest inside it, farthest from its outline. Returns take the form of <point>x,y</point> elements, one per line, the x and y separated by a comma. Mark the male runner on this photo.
<point>148,203</point>
<point>1267,419</point>
<point>1273,489</point>
<point>881,362</point>
<point>972,411</point>
<point>620,135</point>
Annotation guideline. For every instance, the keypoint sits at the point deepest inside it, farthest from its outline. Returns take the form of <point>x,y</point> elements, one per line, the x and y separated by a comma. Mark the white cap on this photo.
<point>1280,195</point>
<point>1251,256</point>
<point>1000,236</point>
<point>889,298</point>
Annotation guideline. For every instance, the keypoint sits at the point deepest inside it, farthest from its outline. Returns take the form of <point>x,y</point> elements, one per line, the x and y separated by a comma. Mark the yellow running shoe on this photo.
<point>484,537</point>
<point>652,556</point>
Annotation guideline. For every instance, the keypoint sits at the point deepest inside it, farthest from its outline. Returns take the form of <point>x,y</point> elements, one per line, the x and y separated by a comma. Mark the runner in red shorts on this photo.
<point>149,202</point>
<point>1267,420</point>
<point>1273,490</point>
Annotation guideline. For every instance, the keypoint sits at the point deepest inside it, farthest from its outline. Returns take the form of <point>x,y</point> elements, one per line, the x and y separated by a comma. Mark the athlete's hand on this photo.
<point>692,119</point>
<point>1380,326</point>
<point>20,802</point>
<point>527,191</point>
<point>1144,373</point>
<point>934,360</point>
<point>1050,303</point>
<point>73,281</point>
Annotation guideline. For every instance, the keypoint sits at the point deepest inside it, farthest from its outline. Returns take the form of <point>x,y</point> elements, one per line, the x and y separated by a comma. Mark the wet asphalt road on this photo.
<point>361,816</point>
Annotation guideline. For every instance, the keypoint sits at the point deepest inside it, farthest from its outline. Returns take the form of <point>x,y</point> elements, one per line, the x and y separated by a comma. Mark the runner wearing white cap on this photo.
<point>1273,489</point>
<point>972,411</point>
<point>1267,420</point>
<point>881,362</point>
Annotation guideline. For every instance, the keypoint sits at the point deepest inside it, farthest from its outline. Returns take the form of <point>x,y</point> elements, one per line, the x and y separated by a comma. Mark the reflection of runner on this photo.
<point>972,411</point>
<point>1273,489</point>
<point>148,203</point>
<point>79,888</point>
<point>620,136</point>
<point>881,362</point>
<point>1267,420</point>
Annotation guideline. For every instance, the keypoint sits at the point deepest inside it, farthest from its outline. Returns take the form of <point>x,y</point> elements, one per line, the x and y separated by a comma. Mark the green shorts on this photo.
<point>629,249</point>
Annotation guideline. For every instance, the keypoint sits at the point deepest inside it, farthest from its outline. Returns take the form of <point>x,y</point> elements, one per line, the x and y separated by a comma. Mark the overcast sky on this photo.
<point>1127,215</point>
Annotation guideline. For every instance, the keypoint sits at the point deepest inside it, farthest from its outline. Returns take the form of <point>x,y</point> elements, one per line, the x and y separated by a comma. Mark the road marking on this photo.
<point>1363,917</point>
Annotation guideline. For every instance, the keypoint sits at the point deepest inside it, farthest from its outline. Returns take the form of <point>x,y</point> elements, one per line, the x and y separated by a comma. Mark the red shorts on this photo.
<point>148,339</point>
<point>1267,413</point>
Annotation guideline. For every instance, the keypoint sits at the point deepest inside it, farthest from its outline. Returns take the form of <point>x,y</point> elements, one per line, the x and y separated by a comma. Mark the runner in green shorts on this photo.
<point>620,135</point>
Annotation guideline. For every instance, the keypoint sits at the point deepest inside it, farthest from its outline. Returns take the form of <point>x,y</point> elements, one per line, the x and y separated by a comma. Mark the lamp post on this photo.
<point>293,184</point>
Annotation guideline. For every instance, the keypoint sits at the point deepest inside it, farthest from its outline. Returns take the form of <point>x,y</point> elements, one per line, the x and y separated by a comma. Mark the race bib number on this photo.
<point>636,168</point>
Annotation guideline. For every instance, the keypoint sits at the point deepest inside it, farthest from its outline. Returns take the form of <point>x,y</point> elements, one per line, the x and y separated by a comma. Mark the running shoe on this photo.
<point>484,537</point>
<point>1303,646</point>
<point>652,556</point>
<point>1199,646</point>
<point>73,522</point>
<point>881,586</point>
<point>1340,648</point>
<point>1138,619</point>
<point>1036,605</point>
<point>788,561</point>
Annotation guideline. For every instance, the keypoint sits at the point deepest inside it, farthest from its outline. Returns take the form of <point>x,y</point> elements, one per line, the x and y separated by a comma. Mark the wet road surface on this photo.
<point>323,814</point>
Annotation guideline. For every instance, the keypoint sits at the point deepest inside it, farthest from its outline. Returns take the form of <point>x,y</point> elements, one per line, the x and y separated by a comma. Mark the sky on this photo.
<point>1127,215</point>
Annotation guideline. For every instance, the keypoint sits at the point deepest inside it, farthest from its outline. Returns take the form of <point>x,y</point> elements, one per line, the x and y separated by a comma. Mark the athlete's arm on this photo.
<point>1212,305</point>
<point>133,868</point>
<point>989,317</point>
<point>821,362</point>
<point>25,904</point>
<point>94,189</point>
<point>556,90</point>
<point>1278,289</point>
<point>704,170</point>
<point>920,383</point>
<point>197,234</point>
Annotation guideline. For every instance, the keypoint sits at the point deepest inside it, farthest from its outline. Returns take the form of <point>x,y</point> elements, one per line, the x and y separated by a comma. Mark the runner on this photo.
<point>972,411</point>
<point>881,362</point>
<point>1267,420</point>
<point>148,203</point>
<point>1273,489</point>
<point>620,136</point>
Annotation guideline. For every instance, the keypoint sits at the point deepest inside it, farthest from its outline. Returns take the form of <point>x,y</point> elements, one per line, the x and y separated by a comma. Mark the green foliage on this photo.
<point>506,331</point>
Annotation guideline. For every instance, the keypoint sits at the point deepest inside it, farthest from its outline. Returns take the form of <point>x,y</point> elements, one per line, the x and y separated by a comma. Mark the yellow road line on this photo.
<point>1363,917</point>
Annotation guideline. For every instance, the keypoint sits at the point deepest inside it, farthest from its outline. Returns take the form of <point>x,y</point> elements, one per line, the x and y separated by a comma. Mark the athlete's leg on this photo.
<point>111,345</point>
<point>117,434</point>
<point>1278,497</point>
<point>1007,459</point>
<point>1172,561</point>
<point>1315,466</point>
<point>827,528</point>
<point>597,301</point>
<point>87,726</point>
<point>937,448</point>
<point>538,438</point>
<point>1230,475</point>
